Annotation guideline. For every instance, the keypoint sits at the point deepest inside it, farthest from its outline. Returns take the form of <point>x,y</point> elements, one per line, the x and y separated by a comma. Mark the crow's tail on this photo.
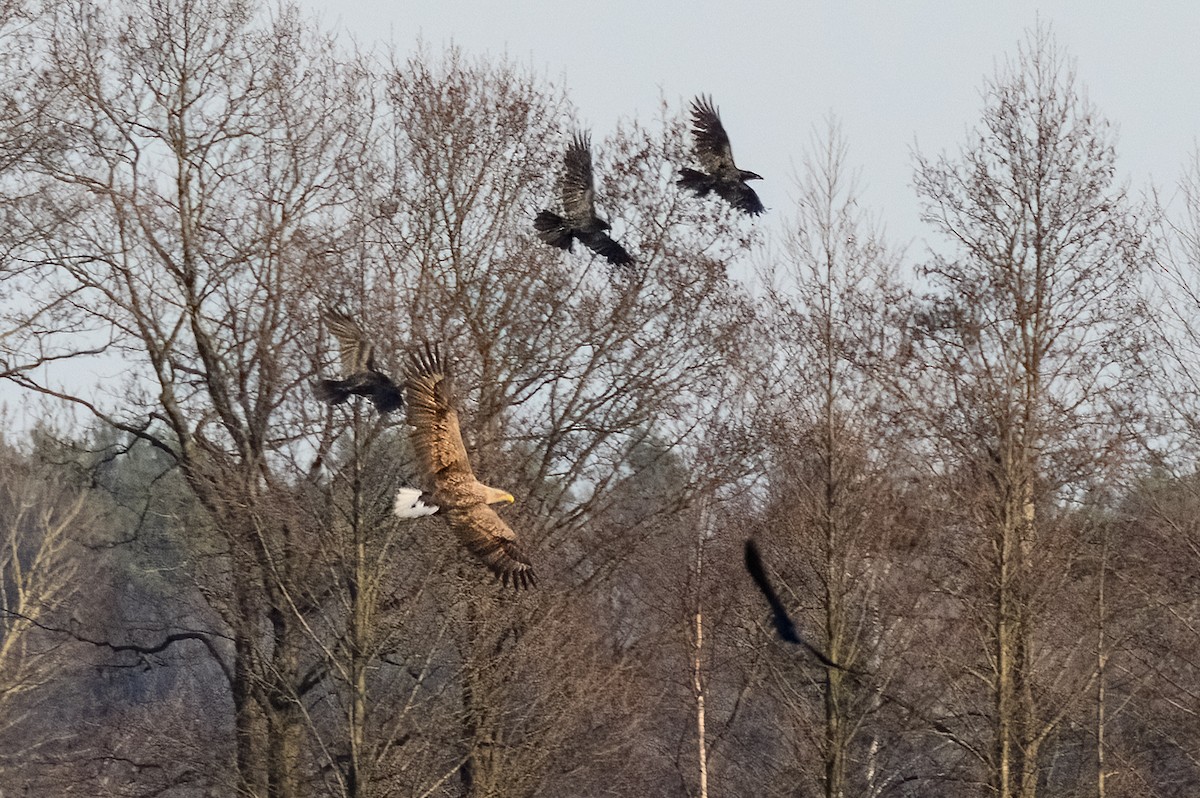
<point>553,229</point>
<point>696,181</point>
<point>332,392</point>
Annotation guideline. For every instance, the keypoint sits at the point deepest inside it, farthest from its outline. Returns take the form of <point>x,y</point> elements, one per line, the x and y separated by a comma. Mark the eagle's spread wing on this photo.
<point>435,435</point>
<point>485,535</point>
<point>358,353</point>
<point>578,189</point>
<point>712,143</point>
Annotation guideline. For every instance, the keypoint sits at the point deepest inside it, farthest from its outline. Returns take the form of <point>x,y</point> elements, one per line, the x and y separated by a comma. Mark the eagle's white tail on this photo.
<point>409,504</point>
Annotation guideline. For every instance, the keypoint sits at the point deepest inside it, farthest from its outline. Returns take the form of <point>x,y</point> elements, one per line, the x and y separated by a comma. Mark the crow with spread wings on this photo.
<point>361,377</point>
<point>779,616</point>
<point>720,174</point>
<point>579,219</point>
<point>456,494</point>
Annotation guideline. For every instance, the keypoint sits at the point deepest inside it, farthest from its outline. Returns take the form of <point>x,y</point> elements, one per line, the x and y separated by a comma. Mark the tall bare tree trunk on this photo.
<point>1101,666</point>
<point>835,579</point>
<point>249,722</point>
<point>360,623</point>
<point>479,775</point>
<point>1005,643</point>
<point>698,652</point>
<point>1035,304</point>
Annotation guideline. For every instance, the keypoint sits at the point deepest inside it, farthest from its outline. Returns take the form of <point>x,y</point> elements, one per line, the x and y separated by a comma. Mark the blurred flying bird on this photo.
<point>779,617</point>
<point>579,219</point>
<point>457,496</point>
<point>720,174</point>
<point>361,377</point>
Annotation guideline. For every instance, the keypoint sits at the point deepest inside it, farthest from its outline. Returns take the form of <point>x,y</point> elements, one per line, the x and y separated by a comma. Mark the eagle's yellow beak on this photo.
<point>496,496</point>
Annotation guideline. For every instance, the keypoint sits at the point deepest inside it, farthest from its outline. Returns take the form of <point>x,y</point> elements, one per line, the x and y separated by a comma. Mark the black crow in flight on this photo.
<point>783,624</point>
<point>579,219</point>
<point>720,174</point>
<point>360,374</point>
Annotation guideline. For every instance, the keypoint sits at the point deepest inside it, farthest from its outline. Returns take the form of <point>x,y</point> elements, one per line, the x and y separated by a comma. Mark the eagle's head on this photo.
<point>496,496</point>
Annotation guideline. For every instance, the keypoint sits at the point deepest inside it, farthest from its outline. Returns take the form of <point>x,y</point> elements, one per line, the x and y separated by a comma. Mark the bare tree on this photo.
<point>565,368</point>
<point>1031,346</point>
<point>194,145</point>
<point>834,509</point>
<point>214,179</point>
<point>1162,626</point>
<point>43,517</point>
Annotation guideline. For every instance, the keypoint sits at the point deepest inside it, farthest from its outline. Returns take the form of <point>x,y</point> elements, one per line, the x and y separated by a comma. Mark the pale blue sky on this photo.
<point>896,73</point>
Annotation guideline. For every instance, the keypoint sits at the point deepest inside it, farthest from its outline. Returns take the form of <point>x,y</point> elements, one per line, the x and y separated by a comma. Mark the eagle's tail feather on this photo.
<point>412,503</point>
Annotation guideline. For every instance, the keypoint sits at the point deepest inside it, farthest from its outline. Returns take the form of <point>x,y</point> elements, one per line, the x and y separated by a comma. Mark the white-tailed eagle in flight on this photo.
<point>455,493</point>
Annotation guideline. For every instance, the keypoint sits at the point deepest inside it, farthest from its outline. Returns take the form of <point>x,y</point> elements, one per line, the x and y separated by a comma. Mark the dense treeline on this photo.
<point>971,473</point>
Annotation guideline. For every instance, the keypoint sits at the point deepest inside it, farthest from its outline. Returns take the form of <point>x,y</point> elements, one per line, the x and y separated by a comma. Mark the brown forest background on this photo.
<point>972,474</point>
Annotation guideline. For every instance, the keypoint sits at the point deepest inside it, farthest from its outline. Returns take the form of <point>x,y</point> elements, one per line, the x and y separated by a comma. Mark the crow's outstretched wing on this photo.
<point>577,184</point>
<point>711,142</point>
<point>357,350</point>
<point>740,196</point>
<point>605,247</point>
